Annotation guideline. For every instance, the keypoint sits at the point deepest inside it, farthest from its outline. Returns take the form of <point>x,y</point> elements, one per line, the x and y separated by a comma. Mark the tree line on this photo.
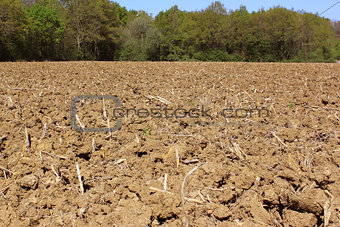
<point>36,30</point>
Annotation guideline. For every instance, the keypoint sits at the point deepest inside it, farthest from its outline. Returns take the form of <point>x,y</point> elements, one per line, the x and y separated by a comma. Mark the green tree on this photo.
<point>169,24</point>
<point>212,34</point>
<point>210,27</point>
<point>12,20</point>
<point>103,30</point>
<point>44,30</point>
<point>142,40</point>
<point>111,30</point>
<point>95,27</point>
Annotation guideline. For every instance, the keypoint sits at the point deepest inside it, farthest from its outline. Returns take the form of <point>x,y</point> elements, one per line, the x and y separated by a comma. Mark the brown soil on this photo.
<point>281,170</point>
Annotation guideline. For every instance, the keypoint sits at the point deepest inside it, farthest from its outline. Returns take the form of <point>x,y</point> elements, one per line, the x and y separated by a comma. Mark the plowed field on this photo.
<point>207,170</point>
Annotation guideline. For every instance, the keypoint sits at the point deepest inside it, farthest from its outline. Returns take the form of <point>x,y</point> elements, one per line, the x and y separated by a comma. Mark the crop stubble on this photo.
<point>276,170</point>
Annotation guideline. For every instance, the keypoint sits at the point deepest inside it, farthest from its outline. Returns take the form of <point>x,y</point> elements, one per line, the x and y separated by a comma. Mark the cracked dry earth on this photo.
<point>276,170</point>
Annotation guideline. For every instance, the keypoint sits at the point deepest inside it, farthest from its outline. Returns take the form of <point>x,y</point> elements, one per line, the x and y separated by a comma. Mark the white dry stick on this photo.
<point>44,132</point>
<point>104,109</point>
<point>208,197</point>
<point>327,212</point>
<point>238,152</point>
<point>200,194</point>
<point>4,169</point>
<point>165,182</point>
<point>80,123</point>
<point>327,208</point>
<point>119,161</point>
<point>193,200</point>
<point>159,190</point>
<point>62,127</point>
<point>248,95</point>
<point>165,188</point>
<point>329,194</point>
<point>5,174</point>
<point>93,144</point>
<point>227,120</point>
<point>79,178</point>
<point>56,173</point>
<point>187,221</point>
<point>177,156</point>
<point>28,140</point>
<point>272,107</point>
<point>188,161</point>
<point>41,157</point>
<point>163,100</point>
<point>279,139</point>
<point>3,194</point>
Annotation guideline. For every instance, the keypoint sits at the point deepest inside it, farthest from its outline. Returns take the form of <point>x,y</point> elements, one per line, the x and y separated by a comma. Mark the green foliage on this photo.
<point>142,40</point>
<point>337,51</point>
<point>122,13</point>
<point>169,24</point>
<point>12,17</point>
<point>44,31</point>
<point>147,133</point>
<point>104,30</point>
<point>94,28</point>
<point>212,55</point>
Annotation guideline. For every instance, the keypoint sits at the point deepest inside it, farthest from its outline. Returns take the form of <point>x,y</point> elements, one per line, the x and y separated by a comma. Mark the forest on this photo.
<point>63,30</point>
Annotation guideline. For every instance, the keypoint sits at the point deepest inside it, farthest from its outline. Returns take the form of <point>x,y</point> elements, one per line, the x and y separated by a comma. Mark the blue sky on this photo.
<point>313,6</point>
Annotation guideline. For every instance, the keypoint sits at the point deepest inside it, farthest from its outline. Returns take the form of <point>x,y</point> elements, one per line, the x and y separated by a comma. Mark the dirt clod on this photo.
<point>295,218</point>
<point>29,182</point>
